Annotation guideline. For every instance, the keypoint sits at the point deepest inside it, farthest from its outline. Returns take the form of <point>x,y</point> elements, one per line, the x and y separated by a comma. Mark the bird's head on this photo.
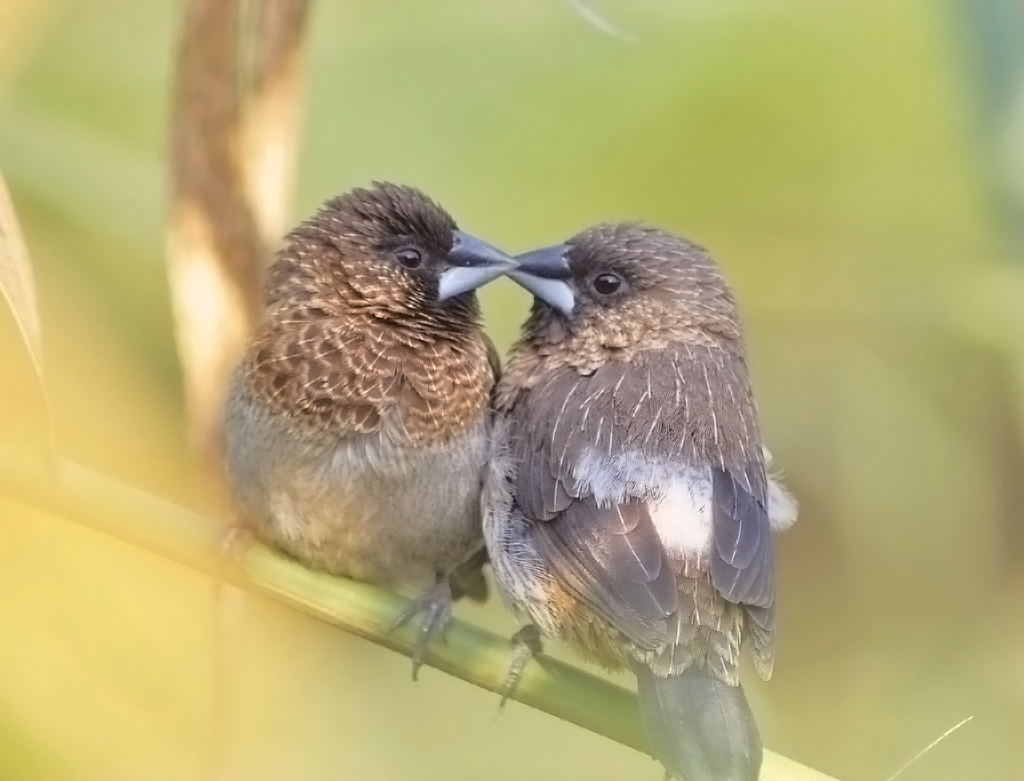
<point>388,250</point>
<point>625,287</point>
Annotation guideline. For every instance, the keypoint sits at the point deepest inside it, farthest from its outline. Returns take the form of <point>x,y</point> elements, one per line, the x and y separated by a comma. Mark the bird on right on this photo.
<point>628,510</point>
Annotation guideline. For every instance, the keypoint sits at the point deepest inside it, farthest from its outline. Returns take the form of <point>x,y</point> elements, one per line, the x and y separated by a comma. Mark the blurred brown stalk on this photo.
<point>234,142</point>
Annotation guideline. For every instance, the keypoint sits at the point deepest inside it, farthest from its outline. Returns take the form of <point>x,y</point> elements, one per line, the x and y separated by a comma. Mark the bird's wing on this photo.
<point>612,559</point>
<point>690,404</point>
<point>742,565</point>
<point>608,554</point>
<point>321,372</point>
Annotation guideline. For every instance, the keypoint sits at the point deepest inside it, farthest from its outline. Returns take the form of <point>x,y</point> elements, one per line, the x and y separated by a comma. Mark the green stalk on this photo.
<point>71,491</point>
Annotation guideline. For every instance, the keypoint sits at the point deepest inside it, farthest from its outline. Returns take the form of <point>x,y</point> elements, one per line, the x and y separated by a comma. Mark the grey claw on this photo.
<point>235,541</point>
<point>526,644</point>
<point>436,608</point>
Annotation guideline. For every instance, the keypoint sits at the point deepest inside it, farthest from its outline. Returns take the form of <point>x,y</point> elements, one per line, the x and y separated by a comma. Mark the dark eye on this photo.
<point>606,284</point>
<point>410,257</point>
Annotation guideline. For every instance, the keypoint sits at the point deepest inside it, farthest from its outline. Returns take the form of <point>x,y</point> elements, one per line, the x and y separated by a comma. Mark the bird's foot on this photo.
<point>236,541</point>
<point>436,608</point>
<point>526,644</point>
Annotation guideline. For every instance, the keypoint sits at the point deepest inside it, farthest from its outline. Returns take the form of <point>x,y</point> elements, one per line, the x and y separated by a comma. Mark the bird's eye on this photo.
<point>606,284</point>
<point>410,257</point>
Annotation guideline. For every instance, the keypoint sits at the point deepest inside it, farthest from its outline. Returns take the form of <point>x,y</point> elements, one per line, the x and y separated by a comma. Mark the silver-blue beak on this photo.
<point>545,273</point>
<point>473,263</point>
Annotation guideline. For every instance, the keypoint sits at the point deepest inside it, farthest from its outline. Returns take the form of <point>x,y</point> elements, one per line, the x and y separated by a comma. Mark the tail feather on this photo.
<point>701,728</point>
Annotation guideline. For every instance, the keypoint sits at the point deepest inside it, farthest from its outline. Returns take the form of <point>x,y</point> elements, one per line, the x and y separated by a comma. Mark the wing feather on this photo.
<point>690,404</point>
<point>614,561</point>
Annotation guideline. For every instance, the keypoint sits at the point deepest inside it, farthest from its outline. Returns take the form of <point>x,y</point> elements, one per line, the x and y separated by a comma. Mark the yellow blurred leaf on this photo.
<point>20,24</point>
<point>17,283</point>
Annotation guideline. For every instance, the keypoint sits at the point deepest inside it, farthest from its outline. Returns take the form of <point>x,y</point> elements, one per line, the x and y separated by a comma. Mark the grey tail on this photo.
<point>701,729</point>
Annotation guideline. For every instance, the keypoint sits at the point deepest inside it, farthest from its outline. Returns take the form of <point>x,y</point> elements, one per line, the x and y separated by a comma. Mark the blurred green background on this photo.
<point>856,166</point>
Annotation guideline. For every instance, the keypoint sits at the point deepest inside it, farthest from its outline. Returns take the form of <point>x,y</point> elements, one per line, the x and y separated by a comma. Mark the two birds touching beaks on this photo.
<point>612,473</point>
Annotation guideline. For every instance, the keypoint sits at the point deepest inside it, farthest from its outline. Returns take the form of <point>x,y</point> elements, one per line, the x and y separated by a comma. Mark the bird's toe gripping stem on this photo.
<point>526,644</point>
<point>435,605</point>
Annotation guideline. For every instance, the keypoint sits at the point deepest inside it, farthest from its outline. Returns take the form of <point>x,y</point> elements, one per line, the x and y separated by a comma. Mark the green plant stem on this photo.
<point>71,491</point>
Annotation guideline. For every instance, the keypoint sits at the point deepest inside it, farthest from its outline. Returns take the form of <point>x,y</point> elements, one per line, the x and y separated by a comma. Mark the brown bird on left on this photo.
<point>357,424</point>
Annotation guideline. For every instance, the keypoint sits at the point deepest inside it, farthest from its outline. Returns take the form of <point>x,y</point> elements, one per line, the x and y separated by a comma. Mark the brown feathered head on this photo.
<point>624,287</point>
<point>389,251</point>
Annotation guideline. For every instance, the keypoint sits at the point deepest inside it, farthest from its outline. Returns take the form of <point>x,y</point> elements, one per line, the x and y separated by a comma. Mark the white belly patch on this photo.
<point>679,494</point>
<point>683,515</point>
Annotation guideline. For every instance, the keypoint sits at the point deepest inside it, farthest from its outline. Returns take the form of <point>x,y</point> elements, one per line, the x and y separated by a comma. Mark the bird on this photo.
<point>357,423</point>
<point>628,506</point>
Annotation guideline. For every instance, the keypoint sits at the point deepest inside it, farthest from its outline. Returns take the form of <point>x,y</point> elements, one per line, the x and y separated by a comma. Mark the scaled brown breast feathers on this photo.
<point>340,380</point>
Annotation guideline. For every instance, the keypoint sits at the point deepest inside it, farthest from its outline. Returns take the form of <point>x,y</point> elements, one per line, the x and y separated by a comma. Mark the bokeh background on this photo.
<point>856,166</point>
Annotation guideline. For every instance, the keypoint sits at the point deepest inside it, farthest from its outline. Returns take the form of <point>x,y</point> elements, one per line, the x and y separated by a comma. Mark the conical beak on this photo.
<point>473,263</point>
<point>545,273</point>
